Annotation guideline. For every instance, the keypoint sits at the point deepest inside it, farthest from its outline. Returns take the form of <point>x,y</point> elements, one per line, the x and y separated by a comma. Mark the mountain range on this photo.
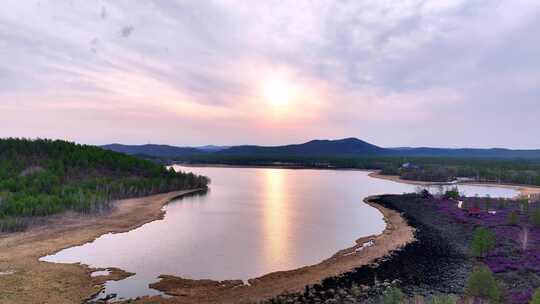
<point>340,147</point>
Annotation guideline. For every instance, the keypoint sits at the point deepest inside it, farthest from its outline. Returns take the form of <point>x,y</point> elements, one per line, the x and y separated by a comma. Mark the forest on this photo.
<point>44,177</point>
<point>434,169</point>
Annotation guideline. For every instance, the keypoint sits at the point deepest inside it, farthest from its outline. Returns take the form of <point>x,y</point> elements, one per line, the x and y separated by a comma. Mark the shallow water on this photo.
<point>100,273</point>
<point>252,222</point>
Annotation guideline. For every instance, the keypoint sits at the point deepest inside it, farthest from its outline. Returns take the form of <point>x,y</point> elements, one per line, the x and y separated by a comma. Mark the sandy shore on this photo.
<point>41,282</point>
<point>32,281</point>
<point>524,190</point>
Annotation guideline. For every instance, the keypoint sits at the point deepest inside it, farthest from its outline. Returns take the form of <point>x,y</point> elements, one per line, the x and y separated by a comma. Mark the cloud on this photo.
<point>126,31</point>
<point>398,73</point>
<point>103,13</point>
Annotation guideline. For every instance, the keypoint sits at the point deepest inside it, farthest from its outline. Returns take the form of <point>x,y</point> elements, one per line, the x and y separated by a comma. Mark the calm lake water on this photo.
<point>251,222</point>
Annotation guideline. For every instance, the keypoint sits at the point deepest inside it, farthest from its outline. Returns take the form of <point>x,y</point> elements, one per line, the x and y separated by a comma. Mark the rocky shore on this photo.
<point>440,260</point>
<point>436,262</point>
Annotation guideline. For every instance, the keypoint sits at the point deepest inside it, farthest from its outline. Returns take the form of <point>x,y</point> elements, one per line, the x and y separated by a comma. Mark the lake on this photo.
<point>251,222</point>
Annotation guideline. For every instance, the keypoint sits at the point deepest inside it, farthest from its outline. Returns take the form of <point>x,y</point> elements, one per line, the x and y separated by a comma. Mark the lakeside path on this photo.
<point>524,190</point>
<point>27,280</point>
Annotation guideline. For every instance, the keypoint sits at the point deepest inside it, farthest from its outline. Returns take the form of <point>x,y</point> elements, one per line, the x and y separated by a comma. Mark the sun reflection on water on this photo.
<point>276,226</point>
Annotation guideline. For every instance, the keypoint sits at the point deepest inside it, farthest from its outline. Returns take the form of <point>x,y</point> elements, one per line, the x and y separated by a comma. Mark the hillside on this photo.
<point>44,177</point>
<point>153,150</point>
<point>320,148</point>
<point>347,146</point>
<point>432,164</point>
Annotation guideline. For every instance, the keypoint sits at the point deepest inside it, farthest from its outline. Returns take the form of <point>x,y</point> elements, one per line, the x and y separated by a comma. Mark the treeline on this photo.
<point>43,177</point>
<point>513,171</point>
<point>340,162</point>
<point>435,169</point>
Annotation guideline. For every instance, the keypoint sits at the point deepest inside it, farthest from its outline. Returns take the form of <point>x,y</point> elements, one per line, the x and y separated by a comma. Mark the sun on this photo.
<point>278,91</point>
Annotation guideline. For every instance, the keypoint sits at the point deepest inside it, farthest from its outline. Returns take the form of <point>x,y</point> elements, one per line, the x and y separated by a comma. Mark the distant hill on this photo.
<point>314,148</point>
<point>212,148</point>
<point>346,146</point>
<point>153,150</point>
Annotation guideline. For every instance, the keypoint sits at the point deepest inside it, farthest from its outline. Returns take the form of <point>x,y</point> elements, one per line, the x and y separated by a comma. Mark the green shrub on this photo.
<point>483,242</point>
<point>482,284</point>
<point>488,203</point>
<point>513,218</point>
<point>535,217</point>
<point>536,297</point>
<point>443,299</point>
<point>452,193</point>
<point>524,205</point>
<point>393,296</point>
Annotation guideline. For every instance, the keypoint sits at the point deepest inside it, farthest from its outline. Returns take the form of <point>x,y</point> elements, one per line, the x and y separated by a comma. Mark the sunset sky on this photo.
<point>394,73</point>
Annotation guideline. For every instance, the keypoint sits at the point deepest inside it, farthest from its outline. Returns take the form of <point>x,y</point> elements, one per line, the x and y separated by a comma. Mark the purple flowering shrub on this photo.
<point>520,296</point>
<point>517,249</point>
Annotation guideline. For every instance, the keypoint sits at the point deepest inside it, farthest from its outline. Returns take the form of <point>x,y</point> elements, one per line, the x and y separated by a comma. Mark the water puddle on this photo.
<point>7,272</point>
<point>100,273</point>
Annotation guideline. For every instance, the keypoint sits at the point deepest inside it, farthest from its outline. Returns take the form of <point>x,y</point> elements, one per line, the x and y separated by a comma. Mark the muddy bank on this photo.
<point>32,281</point>
<point>436,262</point>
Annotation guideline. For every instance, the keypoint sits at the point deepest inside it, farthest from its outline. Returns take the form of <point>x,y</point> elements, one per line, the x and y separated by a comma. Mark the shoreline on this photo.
<point>524,190</point>
<point>437,262</point>
<point>34,281</point>
<point>299,167</point>
<point>397,233</point>
<point>20,252</point>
